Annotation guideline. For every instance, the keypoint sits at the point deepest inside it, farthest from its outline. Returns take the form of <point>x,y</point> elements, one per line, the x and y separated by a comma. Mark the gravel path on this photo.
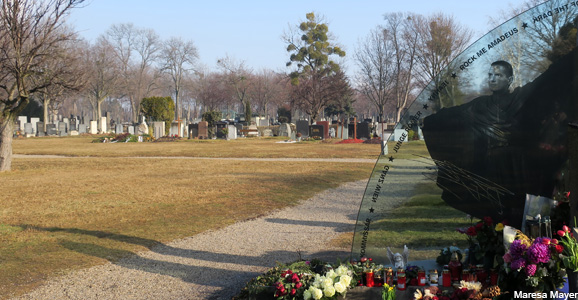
<point>217,264</point>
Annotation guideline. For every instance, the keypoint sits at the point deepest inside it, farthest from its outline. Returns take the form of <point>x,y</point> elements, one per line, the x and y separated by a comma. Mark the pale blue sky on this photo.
<point>251,30</point>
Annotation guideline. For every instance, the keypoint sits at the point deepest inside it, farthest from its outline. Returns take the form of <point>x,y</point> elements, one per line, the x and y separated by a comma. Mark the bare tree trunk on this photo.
<point>6,132</point>
<point>46,102</point>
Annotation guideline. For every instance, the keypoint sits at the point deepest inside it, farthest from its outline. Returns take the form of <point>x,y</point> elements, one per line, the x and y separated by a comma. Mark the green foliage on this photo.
<point>159,109</point>
<point>212,117</point>
<point>285,113</point>
<point>312,54</point>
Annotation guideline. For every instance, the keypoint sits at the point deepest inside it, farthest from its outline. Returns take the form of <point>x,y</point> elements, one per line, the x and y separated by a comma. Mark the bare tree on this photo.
<point>212,91</point>
<point>238,77</point>
<point>135,50</point>
<point>65,75</point>
<point>29,35</point>
<point>178,59</point>
<point>102,82</point>
<point>266,85</point>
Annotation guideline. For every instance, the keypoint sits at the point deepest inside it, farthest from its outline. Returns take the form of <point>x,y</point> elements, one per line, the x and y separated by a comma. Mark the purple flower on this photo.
<point>517,249</point>
<point>531,270</point>
<point>518,264</point>
<point>538,252</point>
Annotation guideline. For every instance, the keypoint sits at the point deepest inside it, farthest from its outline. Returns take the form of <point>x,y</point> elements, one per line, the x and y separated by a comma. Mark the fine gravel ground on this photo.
<point>217,264</point>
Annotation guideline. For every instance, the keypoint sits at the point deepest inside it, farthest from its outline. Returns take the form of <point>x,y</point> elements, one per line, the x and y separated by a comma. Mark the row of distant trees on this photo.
<point>42,59</point>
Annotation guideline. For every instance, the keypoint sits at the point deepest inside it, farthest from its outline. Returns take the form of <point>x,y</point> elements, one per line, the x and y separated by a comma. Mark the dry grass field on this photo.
<point>107,202</point>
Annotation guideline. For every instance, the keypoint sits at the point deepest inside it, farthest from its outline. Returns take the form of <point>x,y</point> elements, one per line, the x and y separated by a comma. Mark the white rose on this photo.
<point>342,270</point>
<point>329,291</point>
<point>340,287</point>
<point>327,282</point>
<point>306,295</point>
<point>345,280</point>
<point>316,293</point>
<point>331,274</point>
<point>318,280</point>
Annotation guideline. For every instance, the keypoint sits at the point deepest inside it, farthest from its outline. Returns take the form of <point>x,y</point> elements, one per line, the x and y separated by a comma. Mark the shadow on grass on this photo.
<point>193,266</point>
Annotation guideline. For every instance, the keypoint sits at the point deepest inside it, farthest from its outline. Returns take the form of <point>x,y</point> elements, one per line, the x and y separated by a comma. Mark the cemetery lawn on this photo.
<point>62,214</point>
<point>248,147</point>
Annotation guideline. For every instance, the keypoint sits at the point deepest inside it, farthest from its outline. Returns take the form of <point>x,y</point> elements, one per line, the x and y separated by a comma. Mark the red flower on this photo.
<point>561,233</point>
<point>298,285</point>
<point>565,228</point>
<point>488,221</point>
<point>472,231</point>
<point>479,226</point>
<point>546,241</point>
<point>559,248</point>
<point>363,259</point>
<point>293,292</point>
<point>294,278</point>
<point>554,241</point>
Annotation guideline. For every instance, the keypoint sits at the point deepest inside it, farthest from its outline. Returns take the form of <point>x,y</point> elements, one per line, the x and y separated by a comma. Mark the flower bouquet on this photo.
<point>533,265</point>
<point>486,243</point>
<point>569,253</point>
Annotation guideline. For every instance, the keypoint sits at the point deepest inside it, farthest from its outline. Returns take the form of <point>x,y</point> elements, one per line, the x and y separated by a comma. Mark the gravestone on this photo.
<point>158,130</point>
<point>303,128</point>
<point>316,131</point>
<point>142,128</point>
<point>363,131</point>
<point>62,129</point>
<point>51,129</point>
<point>400,135</point>
<point>131,129</point>
<point>325,125</point>
<point>231,132</point>
<point>93,127</point>
<point>221,127</point>
<point>34,121</point>
<point>103,125</point>
<point>193,131</point>
<point>82,128</point>
<point>267,132</point>
<point>332,132</point>
<point>28,129</point>
<point>285,130</point>
<point>40,129</point>
<point>203,130</point>
<point>119,129</point>
<point>67,122</point>
<point>253,130</point>
<point>21,121</point>
<point>239,127</point>
<point>73,124</point>
<point>342,132</point>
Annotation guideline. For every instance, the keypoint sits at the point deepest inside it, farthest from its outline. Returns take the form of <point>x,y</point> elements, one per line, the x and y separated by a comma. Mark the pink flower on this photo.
<point>363,259</point>
<point>561,233</point>
<point>507,258</point>
<point>531,270</point>
<point>565,228</point>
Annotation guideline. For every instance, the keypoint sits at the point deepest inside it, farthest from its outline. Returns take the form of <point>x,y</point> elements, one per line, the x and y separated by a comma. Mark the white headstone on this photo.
<point>103,125</point>
<point>93,127</point>
<point>231,132</point>
<point>34,121</point>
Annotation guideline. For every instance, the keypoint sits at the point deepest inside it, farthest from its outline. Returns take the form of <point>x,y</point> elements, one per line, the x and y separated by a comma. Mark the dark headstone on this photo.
<point>193,131</point>
<point>62,129</point>
<point>363,131</point>
<point>303,127</point>
<point>325,125</point>
<point>73,124</point>
<point>221,127</point>
<point>40,129</point>
<point>316,131</point>
<point>50,129</point>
